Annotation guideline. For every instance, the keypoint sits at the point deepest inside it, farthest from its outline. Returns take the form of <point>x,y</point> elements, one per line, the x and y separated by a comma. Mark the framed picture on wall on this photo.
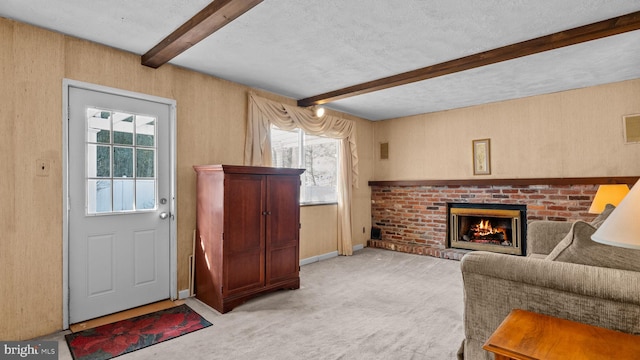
<point>482,157</point>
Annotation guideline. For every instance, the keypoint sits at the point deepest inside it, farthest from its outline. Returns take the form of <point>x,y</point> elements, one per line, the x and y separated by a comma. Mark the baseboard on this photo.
<point>183,294</point>
<point>311,260</point>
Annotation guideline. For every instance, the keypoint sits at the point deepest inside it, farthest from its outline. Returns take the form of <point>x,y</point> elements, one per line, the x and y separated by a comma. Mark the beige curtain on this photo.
<point>257,152</point>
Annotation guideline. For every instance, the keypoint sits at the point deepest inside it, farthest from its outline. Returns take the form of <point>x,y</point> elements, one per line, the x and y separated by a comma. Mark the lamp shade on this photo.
<point>608,194</point>
<point>622,227</point>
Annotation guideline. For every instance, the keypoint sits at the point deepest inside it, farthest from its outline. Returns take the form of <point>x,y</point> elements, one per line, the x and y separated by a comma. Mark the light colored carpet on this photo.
<point>376,304</point>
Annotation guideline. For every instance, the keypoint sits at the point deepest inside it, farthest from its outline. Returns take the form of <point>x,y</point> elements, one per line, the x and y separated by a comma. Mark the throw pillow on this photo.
<point>577,247</point>
<point>603,215</point>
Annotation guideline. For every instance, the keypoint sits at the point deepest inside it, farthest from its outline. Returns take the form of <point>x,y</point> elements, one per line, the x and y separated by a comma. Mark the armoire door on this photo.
<point>283,228</point>
<point>243,238</point>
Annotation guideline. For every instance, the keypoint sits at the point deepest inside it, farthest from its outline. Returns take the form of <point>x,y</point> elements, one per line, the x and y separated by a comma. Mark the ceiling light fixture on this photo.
<point>318,111</point>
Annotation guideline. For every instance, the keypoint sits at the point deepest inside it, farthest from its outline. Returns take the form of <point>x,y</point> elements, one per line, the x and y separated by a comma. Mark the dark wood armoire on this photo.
<point>247,238</point>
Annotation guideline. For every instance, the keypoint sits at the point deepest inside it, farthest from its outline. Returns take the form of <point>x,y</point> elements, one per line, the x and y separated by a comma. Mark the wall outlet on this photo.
<point>42,167</point>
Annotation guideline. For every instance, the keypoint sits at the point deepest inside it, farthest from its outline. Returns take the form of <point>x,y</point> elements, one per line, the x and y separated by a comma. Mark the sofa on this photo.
<point>565,274</point>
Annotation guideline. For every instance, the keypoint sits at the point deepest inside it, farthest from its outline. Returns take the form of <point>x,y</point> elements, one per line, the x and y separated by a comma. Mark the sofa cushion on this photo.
<point>577,247</point>
<point>603,215</point>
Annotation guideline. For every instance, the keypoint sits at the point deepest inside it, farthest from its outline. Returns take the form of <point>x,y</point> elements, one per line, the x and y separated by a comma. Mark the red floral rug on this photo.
<point>111,340</point>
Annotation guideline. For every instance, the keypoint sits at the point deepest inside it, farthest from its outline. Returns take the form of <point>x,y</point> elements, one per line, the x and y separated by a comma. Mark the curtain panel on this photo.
<point>263,112</point>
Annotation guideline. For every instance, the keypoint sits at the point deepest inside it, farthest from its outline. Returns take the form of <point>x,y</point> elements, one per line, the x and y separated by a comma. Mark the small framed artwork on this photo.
<point>482,157</point>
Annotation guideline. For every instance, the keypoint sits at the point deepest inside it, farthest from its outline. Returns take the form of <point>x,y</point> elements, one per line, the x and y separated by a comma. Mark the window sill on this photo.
<point>318,204</point>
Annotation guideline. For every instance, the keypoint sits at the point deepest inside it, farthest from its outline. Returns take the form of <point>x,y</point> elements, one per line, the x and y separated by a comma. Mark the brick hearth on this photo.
<point>413,219</point>
<point>419,249</point>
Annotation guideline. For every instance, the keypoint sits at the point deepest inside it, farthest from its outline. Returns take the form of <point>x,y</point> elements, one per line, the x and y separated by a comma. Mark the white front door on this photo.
<point>119,203</point>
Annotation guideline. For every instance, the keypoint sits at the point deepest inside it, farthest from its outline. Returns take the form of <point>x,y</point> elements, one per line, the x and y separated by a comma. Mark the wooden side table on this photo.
<point>525,335</point>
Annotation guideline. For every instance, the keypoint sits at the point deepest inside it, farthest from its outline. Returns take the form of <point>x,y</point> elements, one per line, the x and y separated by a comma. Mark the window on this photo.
<point>121,162</point>
<point>316,154</point>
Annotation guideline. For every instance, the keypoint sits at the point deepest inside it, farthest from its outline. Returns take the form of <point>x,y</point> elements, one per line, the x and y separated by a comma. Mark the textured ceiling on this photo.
<point>304,48</point>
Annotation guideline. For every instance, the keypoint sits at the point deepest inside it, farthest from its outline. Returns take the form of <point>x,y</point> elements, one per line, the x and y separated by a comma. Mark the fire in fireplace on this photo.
<point>490,227</point>
<point>483,232</point>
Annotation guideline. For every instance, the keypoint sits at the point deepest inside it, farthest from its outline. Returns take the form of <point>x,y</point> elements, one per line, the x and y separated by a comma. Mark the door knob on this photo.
<point>164,215</point>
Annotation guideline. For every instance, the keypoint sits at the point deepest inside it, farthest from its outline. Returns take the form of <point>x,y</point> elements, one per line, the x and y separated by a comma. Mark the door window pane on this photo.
<point>98,196</point>
<point>121,161</point>
<point>123,192</point>
<point>145,194</point>
<point>145,163</point>
<point>98,161</point>
<point>99,126</point>
<point>122,128</point>
<point>145,131</point>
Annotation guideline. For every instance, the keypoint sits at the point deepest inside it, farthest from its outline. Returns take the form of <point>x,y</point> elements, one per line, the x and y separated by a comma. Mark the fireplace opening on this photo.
<point>489,227</point>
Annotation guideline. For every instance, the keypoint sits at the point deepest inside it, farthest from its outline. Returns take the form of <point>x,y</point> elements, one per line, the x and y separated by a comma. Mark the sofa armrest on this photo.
<point>494,284</point>
<point>544,235</point>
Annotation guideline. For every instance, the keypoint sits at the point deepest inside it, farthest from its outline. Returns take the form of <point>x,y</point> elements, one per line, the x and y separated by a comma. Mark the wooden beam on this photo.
<point>598,30</point>
<point>210,19</point>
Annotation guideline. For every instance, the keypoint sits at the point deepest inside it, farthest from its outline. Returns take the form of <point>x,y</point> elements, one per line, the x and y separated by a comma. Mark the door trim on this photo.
<point>173,247</point>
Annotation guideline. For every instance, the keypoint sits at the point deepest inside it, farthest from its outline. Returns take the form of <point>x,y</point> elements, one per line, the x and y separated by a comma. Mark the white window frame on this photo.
<point>301,164</point>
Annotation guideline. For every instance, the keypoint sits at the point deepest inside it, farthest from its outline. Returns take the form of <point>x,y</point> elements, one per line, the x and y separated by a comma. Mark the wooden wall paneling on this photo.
<point>211,116</point>
<point>576,133</point>
<point>9,247</point>
<point>7,119</point>
<point>594,142</point>
<point>361,213</point>
<point>189,133</point>
<point>41,138</point>
<point>93,63</point>
<point>319,230</point>
<point>37,127</point>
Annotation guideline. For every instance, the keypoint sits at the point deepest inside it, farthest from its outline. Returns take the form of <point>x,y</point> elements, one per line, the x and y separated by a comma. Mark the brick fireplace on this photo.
<point>412,215</point>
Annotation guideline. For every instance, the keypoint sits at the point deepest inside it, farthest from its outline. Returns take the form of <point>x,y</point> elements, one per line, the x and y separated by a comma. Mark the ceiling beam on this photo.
<point>598,30</point>
<point>209,20</point>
